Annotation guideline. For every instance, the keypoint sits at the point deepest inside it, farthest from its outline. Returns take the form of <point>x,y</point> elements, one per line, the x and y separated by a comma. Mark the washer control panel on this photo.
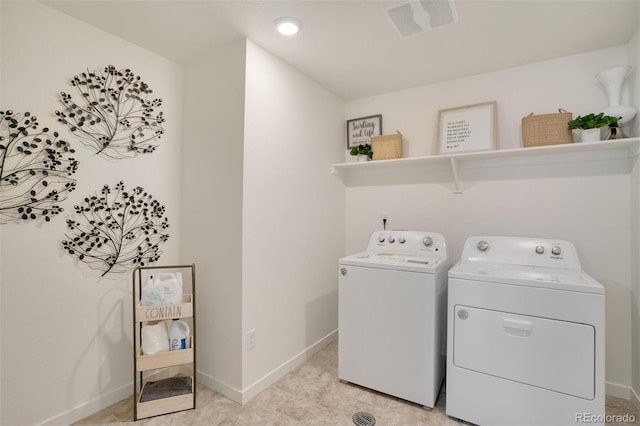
<point>407,243</point>
<point>522,251</point>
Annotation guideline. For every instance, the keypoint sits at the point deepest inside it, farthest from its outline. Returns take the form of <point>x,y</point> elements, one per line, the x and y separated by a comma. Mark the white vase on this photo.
<point>363,158</point>
<point>590,135</point>
<point>612,79</point>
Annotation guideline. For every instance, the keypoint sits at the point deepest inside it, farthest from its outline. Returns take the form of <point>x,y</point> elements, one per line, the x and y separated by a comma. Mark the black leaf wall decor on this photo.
<point>117,230</point>
<point>112,113</point>
<point>35,169</point>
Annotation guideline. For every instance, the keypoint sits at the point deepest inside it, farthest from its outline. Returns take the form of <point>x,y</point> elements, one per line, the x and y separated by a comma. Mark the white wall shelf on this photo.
<point>620,148</point>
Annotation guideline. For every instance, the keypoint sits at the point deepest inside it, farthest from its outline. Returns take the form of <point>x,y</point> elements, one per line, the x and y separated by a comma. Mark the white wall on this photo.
<point>586,203</point>
<point>259,141</point>
<point>212,215</point>
<point>1,103</point>
<point>634,300</point>
<point>634,83</point>
<point>293,213</point>
<point>66,333</point>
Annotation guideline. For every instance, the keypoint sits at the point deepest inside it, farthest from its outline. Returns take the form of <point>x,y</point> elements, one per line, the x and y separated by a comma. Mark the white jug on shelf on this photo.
<point>179,335</point>
<point>165,289</point>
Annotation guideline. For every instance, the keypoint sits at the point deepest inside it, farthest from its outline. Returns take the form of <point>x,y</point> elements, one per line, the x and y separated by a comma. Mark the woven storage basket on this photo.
<point>386,147</point>
<point>546,129</point>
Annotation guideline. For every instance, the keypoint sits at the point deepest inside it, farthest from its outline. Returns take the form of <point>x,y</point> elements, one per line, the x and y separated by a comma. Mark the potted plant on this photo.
<point>590,125</point>
<point>362,151</point>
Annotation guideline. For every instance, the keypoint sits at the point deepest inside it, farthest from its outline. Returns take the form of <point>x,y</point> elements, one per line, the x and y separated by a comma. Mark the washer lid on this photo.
<point>533,276</point>
<point>388,260</point>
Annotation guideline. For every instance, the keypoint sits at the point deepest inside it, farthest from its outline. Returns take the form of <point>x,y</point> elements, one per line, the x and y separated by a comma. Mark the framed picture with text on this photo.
<point>360,130</point>
<point>468,128</point>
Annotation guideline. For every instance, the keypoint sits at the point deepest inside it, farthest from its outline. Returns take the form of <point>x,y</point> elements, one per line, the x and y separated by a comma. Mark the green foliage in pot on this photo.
<point>362,149</point>
<point>593,121</point>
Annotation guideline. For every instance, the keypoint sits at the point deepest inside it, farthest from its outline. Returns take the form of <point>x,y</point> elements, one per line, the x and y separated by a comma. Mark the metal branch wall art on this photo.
<point>35,169</point>
<point>112,113</point>
<point>117,230</point>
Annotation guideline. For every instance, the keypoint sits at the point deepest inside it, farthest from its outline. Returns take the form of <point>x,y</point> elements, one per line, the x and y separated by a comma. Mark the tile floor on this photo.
<point>309,395</point>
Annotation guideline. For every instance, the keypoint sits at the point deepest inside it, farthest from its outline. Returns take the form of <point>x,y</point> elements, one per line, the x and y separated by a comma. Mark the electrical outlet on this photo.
<point>251,338</point>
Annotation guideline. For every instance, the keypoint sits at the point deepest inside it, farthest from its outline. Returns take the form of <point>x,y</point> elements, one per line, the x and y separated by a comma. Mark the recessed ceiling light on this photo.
<point>288,26</point>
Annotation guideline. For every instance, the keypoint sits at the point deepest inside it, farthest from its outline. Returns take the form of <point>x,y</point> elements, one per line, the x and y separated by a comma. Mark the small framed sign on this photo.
<point>468,128</point>
<point>360,130</point>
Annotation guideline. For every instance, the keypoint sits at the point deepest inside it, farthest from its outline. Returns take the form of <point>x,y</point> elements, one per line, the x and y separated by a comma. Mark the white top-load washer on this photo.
<point>526,335</point>
<point>392,313</point>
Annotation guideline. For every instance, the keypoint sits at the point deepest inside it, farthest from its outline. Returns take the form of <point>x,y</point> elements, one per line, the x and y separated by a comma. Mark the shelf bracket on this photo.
<point>456,180</point>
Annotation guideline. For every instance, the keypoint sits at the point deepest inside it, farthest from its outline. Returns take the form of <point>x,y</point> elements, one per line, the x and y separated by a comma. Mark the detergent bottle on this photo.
<point>165,289</point>
<point>179,335</point>
<point>170,286</point>
<point>150,294</point>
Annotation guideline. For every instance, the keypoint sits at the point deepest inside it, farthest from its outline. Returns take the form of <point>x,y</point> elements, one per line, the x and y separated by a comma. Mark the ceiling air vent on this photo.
<point>416,16</point>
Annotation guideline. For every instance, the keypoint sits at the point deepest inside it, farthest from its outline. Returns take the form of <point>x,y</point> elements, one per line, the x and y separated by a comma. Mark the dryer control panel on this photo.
<point>407,243</point>
<point>522,251</point>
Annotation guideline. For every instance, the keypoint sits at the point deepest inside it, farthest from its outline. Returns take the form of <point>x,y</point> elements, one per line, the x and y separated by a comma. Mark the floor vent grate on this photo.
<point>362,418</point>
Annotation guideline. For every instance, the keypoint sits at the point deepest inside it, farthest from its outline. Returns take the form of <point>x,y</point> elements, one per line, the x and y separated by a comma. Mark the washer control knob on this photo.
<point>381,238</point>
<point>482,245</point>
<point>539,249</point>
<point>556,250</point>
<point>392,239</point>
<point>401,240</point>
<point>427,241</point>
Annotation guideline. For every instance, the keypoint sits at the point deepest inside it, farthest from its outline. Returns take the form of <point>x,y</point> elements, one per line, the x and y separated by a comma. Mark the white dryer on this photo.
<point>392,315</point>
<point>526,335</point>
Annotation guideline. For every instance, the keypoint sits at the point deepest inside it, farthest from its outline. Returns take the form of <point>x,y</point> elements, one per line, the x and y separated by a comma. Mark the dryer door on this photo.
<point>551,354</point>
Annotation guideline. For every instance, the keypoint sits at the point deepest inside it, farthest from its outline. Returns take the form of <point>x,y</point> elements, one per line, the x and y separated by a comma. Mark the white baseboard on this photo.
<point>635,399</point>
<point>88,408</point>
<point>220,387</point>
<point>624,392</point>
<point>245,395</point>
<point>240,396</point>
<point>251,391</point>
<point>619,391</point>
